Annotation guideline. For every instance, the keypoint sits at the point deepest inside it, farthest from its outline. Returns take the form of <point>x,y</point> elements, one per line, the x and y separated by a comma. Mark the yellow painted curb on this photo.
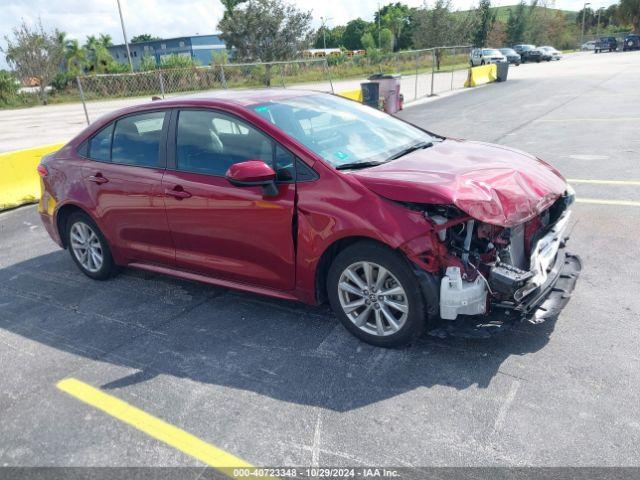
<point>352,94</point>
<point>19,180</point>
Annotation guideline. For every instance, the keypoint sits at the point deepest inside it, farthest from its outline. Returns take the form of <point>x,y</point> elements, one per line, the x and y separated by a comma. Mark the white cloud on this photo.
<point>173,18</point>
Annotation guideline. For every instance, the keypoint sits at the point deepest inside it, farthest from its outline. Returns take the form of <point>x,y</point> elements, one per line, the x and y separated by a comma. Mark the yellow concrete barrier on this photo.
<point>19,180</point>
<point>352,94</point>
<point>481,75</point>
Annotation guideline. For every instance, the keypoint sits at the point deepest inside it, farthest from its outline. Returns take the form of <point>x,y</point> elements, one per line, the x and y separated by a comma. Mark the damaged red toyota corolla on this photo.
<point>311,197</point>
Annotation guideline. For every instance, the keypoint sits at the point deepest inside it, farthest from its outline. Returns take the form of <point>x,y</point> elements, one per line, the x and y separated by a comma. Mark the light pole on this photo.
<point>124,34</point>
<point>598,24</point>
<point>324,31</point>
<point>584,10</point>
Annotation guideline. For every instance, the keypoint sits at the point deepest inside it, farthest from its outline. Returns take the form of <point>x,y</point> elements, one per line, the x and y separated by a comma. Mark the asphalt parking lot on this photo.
<point>278,383</point>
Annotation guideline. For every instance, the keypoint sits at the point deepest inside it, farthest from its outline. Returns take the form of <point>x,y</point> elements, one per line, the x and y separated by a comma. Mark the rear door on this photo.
<point>221,230</point>
<point>123,177</point>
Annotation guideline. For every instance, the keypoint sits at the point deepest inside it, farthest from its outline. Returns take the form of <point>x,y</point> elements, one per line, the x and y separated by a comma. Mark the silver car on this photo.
<point>485,56</point>
<point>549,51</point>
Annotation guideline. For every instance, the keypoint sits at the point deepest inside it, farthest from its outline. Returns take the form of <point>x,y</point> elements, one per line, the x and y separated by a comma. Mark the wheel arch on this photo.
<point>330,253</point>
<point>62,216</point>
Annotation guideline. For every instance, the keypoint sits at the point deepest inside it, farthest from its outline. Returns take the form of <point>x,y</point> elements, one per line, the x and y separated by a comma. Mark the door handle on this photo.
<point>98,178</point>
<point>177,192</point>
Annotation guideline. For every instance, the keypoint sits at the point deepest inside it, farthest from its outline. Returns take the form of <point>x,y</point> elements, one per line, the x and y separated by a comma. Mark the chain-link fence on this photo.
<point>424,72</point>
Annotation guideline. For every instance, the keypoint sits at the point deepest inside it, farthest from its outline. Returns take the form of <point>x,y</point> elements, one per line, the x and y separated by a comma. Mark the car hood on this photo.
<point>491,183</point>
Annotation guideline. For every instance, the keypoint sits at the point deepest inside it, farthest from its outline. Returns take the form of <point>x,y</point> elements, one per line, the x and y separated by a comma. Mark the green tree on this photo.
<point>438,26</point>
<point>629,12</point>
<point>265,31</point>
<point>353,32</point>
<point>99,60</point>
<point>367,42</point>
<point>8,87</point>
<point>517,23</point>
<point>485,20</point>
<point>386,40</point>
<point>144,37</point>
<point>396,17</point>
<point>76,57</point>
<point>35,53</point>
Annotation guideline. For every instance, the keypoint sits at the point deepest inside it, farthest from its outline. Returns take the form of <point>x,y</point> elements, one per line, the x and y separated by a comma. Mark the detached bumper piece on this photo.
<point>543,304</point>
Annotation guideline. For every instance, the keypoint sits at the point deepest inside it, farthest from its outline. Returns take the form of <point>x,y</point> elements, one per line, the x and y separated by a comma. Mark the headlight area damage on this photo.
<point>492,276</point>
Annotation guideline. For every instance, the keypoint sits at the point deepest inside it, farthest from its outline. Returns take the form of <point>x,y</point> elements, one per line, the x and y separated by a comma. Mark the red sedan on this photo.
<point>307,196</point>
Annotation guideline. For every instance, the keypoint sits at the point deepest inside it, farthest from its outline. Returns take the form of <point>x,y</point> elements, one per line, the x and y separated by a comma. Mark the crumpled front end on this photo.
<point>492,276</point>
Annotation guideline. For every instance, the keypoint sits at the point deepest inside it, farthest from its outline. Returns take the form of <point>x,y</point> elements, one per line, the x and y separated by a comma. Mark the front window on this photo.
<point>489,51</point>
<point>341,131</point>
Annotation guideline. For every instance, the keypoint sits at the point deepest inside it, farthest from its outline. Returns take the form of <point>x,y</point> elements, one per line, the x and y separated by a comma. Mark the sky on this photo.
<point>174,18</point>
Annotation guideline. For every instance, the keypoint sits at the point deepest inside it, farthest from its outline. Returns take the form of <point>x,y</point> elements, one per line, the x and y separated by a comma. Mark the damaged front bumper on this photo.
<point>552,278</point>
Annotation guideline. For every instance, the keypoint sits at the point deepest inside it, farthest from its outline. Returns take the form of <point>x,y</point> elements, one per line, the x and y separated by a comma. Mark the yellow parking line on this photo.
<point>154,427</point>
<point>604,182</point>
<point>597,201</point>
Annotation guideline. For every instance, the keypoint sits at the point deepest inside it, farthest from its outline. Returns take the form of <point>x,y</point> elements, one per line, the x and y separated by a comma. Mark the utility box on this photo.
<point>502,71</point>
<point>370,94</point>
<point>389,91</point>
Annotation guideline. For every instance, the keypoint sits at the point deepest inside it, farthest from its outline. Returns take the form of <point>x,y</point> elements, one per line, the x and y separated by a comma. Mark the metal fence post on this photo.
<point>326,66</point>
<point>282,65</point>
<point>84,102</point>
<point>222,77</point>
<point>415,93</point>
<point>161,82</point>
<point>452,67</point>
<point>433,68</point>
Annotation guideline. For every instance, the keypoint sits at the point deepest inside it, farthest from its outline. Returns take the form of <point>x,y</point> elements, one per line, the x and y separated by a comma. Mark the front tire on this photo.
<point>375,294</point>
<point>88,247</point>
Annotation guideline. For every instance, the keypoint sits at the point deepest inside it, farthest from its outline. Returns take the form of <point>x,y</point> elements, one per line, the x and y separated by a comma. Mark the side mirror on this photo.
<point>253,173</point>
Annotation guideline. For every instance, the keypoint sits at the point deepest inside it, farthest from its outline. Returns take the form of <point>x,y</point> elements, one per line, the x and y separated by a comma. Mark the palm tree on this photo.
<point>76,57</point>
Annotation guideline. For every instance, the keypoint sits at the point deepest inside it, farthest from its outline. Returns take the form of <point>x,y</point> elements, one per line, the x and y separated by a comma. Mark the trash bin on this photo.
<point>370,94</point>
<point>389,90</point>
<point>503,71</point>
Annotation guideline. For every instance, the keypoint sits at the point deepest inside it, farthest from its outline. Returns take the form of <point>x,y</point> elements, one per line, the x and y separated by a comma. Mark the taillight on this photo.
<point>42,170</point>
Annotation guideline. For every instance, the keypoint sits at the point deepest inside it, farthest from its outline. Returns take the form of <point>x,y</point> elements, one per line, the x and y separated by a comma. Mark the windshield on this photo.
<point>508,51</point>
<point>342,131</point>
<point>526,48</point>
<point>490,51</point>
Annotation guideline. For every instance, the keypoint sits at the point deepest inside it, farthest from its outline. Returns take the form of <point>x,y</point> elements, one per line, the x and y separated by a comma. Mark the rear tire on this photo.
<point>356,284</point>
<point>88,247</point>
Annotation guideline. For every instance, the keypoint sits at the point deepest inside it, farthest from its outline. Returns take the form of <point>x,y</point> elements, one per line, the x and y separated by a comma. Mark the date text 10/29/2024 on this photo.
<point>314,472</point>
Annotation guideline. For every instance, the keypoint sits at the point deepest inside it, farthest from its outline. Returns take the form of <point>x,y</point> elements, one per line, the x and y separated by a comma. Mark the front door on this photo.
<point>221,230</point>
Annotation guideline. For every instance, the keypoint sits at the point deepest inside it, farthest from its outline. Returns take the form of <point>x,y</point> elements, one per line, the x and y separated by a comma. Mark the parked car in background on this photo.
<point>307,196</point>
<point>606,44</point>
<point>631,42</point>
<point>485,56</point>
<point>511,55</point>
<point>550,53</point>
<point>590,45</point>
<point>528,53</point>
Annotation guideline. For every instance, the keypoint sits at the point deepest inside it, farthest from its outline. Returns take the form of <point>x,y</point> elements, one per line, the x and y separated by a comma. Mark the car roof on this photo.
<point>237,97</point>
<point>230,98</point>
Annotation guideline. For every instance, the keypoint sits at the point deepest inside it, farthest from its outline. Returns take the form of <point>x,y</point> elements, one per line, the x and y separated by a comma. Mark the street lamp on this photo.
<point>124,34</point>
<point>584,10</point>
<point>598,24</point>
<point>324,31</point>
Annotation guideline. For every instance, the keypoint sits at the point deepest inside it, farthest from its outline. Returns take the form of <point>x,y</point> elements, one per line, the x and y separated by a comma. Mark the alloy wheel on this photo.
<point>86,247</point>
<point>373,298</point>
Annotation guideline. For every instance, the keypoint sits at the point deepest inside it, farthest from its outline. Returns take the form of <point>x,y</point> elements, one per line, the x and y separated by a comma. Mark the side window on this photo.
<point>99,146</point>
<point>136,139</point>
<point>210,142</point>
<point>285,165</point>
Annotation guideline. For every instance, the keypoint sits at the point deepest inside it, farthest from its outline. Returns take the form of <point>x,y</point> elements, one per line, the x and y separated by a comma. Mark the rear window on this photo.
<point>99,147</point>
<point>136,139</point>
